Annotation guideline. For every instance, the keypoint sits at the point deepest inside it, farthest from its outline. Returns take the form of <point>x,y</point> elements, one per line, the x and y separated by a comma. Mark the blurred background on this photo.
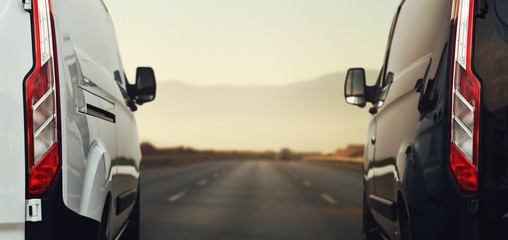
<point>254,80</point>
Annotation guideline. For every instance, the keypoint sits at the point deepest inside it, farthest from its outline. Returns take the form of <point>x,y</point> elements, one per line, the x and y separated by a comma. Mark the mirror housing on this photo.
<point>354,87</point>
<point>357,92</point>
<point>145,86</point>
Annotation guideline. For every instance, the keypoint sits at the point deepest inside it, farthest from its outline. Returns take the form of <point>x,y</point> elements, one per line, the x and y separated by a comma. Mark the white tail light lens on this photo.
<point>464,110</point>
<point>41,106</point>
<point>465,104</point>
<point>42,100</point>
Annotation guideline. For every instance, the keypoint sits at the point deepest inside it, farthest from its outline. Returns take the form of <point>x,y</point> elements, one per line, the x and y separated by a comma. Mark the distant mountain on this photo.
<point>304,116</point>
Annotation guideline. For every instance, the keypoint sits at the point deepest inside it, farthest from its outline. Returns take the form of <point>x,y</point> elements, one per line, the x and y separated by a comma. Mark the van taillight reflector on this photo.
<point>42,115</point>
<point>465,103</point>
<point>465,172</point>
<point>41,177</point>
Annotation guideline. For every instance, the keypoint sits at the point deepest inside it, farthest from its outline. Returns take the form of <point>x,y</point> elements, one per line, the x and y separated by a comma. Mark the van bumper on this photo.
<point>60,222</point>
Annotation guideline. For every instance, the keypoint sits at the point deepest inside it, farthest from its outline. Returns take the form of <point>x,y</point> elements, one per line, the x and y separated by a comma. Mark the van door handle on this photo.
<point>373,140</point>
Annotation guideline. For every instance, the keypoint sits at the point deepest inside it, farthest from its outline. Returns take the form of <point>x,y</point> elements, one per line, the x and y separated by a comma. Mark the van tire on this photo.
<point>405,228</point>
<point>104,221</point>
<point>405,232</point>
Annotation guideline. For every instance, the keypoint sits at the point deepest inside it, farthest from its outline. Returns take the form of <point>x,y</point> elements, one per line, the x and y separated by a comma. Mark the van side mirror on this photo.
<point>354,87</point>
<point>145,85</point>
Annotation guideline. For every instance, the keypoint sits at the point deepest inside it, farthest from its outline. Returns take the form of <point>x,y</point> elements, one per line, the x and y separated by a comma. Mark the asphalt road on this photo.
<point>251,200</point>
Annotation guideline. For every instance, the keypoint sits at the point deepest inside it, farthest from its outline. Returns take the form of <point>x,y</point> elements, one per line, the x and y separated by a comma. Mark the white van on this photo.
<point>69,147</point>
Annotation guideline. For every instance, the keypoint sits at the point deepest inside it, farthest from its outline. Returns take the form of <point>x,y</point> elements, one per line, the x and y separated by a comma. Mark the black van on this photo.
<point>436,158</point>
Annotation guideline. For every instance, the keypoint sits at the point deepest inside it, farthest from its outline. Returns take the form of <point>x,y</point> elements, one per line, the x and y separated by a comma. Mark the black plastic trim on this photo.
<point>383,206</point>
<point>100,113</point>
<point>124,201</point>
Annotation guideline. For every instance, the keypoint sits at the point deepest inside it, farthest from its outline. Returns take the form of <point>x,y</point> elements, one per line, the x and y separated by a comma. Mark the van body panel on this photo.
<point>15,64</point>
<point>401,100</point>
<point>128,161</point>
<point>368,162</point>
<point>97,135</point>
<point>84,80</point>
<point>491,67</point>
<point>411,128</point>
<point>101,152</point>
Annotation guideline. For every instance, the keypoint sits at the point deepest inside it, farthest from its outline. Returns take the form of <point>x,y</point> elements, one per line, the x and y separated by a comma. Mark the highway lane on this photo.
<point>251,200</point>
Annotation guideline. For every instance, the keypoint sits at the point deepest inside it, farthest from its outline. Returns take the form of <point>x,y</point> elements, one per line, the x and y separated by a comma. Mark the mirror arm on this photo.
<point>371,94</point>
<point>132,105</point>
<point>131,90</point>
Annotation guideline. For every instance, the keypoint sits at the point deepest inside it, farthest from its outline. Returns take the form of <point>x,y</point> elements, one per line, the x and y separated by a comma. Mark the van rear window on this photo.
<point>491,54</point>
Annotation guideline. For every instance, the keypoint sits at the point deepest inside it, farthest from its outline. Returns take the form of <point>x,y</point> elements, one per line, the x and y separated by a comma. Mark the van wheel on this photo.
<point>104,222</point>
<point>405,232</point>
<point>132,231</point>
<point>371,230</point>
<point>405,228</point>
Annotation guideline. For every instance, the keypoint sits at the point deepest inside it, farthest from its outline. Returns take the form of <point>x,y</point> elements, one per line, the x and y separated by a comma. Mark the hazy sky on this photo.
<point>209,42</point>
<point>248,42</point>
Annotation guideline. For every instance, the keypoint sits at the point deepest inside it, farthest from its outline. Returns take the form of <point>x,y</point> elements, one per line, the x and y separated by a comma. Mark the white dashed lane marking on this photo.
<point>176,196</point>
<point>328,198</point>
<point>202,182</point>
<point>306,183</point>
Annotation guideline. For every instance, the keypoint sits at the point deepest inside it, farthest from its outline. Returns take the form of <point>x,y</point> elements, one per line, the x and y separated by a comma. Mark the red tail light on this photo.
<point>41,106</point>
<point>465,102</point>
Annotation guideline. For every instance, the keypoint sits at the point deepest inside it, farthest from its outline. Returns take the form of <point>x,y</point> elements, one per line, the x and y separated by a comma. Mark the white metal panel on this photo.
<point>88,142</point>
<point>95,160</point>
<point>15,62</point>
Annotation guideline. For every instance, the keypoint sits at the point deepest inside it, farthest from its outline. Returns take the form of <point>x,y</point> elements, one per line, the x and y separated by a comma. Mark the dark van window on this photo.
<point>491,54</point>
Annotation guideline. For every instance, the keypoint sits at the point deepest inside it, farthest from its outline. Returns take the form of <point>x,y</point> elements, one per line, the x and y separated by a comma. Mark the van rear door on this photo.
<point>490,62</point>
<point>16,60</point>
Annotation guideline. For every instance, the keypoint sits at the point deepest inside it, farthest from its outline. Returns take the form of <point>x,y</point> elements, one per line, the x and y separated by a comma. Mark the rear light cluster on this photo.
<point>465,104</point>
<point>41,106</point>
